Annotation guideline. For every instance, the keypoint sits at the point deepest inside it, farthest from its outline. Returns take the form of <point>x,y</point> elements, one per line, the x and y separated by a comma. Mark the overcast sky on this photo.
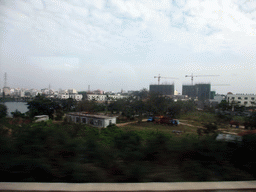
<point>123,44</point>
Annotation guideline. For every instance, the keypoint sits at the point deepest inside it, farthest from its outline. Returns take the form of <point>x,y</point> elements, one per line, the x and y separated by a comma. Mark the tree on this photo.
<point>174,109</point>
<point>42,106</point>
<point>157,104</point>
<point>17,113</point>
<point>88,106</point>
<point>68,104</point>
<point>224,105</point>
<point>117,106</point>
<point>3,111</point>
<point>188,106</point>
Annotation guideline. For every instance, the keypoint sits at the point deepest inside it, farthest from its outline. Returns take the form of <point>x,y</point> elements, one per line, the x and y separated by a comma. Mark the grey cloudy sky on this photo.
<point>123,44</point>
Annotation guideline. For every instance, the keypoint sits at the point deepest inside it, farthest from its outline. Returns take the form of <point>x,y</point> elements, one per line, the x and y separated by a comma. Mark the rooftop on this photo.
<point>85,114</point>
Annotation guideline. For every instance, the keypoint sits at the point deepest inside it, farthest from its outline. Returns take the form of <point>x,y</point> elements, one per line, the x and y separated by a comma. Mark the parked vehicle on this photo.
<point>167,120</point>
<point>158,119</point>
<point>236,123</point>
<point>249,125</point>
<point>150,119</point>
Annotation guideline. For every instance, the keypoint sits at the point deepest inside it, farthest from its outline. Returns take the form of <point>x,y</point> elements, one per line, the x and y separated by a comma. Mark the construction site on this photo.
<point>200,91</point>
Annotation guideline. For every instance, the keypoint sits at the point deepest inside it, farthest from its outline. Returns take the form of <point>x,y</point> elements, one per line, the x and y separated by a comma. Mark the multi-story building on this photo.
<point>247,100</point>
<point>77,97</point>
<point>45,91</point>
<point>74,96</point>
<point>98,92</point>
<point>7,91</point>
<point>162,89</point>
<point>19,92</point>
<point>200,91</point>
<point>189,90</point>
<point>102,98</point>
<point>72,91</point>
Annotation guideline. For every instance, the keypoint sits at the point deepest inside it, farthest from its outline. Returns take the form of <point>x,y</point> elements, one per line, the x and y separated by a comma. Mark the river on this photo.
<point>13,106</point>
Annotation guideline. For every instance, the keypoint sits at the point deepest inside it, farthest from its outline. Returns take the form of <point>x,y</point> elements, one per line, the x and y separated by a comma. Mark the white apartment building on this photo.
<point>72,91</point>
<point>91,97</point>
<point>77,97</point>
<point>19,92</point>
<point>247,100</point>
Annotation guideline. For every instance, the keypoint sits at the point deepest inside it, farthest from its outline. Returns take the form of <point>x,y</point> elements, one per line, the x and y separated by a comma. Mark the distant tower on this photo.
<point>6,90</point>
<point>5,79</point>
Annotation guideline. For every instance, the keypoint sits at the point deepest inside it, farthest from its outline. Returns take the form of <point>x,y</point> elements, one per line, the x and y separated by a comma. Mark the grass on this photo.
<point>192,122</point>
<point>151,126</point>
<point>197,118</point>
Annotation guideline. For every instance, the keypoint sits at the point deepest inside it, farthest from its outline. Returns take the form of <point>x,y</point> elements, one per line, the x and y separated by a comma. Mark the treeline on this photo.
<point>139,104</point>
<point>47,152</point>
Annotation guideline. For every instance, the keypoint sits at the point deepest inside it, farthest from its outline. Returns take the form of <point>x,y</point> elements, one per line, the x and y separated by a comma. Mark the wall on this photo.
<point>131,187</point>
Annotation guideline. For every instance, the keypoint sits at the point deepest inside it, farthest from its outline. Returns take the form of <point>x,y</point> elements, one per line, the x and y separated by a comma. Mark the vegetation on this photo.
<point>139,152</point>
<point>3,111</point>
<point>47,152</point>
<point>42,106</point>
<point>17,114</point>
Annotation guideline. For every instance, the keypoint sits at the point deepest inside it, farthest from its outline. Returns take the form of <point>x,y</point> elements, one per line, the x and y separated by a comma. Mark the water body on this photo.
<point>13,106</point>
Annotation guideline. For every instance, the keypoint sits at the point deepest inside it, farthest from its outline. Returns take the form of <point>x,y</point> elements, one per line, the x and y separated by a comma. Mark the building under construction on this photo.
<point>189,90</point>
<point>200,91</point>
<point>162,89</point>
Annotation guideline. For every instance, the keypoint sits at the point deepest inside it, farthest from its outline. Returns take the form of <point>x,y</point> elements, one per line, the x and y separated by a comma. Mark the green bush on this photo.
<point>3,111</point>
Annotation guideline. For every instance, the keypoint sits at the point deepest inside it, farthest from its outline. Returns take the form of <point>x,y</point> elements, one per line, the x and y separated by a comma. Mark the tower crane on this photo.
<point>192,76</point>
<point>159,77</point>
<point>220,85</point>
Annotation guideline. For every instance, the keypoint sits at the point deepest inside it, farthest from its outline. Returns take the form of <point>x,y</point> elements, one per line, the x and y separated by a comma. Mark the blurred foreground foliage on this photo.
<point>47,152</point>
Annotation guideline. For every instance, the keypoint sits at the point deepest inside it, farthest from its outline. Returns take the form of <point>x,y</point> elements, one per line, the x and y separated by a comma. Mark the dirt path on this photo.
<point>189,124</point>
<point>127,123</point>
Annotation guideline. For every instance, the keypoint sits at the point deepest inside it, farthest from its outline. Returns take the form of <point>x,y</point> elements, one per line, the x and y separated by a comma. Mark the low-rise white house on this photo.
<point>101,121</point>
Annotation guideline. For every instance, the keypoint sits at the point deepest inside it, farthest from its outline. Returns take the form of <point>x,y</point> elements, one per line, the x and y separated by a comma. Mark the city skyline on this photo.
<point>116,44</point>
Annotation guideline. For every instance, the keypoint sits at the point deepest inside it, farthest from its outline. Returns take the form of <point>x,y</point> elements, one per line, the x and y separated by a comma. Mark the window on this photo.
<point>239,98</point>
<point>252,98</point>
<point>77,119</point>
<point>252,102</point>
<point>84,120</point>
<point>233,98</point>
<point>245,102</point>
<point>245,98</point>
<point>91,122</point>
<point>239,102</point>
<point>110,122</point>
<point>99,122</point>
